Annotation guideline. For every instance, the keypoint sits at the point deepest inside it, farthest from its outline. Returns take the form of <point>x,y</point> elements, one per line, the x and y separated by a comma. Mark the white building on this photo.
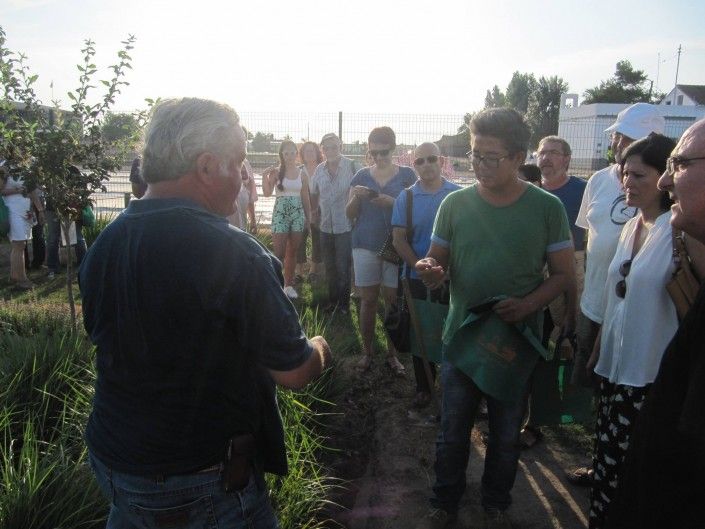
<point>583,127</point>
<point>688,95</point>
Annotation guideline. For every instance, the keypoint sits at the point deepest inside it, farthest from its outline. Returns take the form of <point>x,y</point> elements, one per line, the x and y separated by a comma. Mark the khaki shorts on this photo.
<point>371,270</point>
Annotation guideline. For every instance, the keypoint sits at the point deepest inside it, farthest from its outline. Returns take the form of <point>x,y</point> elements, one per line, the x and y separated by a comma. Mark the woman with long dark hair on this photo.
<point>292,210</point>
<point>639,319</point>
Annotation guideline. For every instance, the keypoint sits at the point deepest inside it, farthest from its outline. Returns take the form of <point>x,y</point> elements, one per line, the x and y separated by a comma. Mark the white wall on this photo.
<point>583,127</point>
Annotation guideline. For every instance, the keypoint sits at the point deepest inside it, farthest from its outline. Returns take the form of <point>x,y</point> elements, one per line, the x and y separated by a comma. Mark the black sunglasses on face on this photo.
<point>380,152</point>
<point>620,288</point>
<point>429,159</point>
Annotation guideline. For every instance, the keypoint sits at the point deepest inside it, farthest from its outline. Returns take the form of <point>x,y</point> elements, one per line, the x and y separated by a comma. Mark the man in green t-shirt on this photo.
<point>493,240</point>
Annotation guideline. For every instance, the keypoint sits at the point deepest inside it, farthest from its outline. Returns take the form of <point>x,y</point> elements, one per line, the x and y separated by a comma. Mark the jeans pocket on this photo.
<point>196,514</point>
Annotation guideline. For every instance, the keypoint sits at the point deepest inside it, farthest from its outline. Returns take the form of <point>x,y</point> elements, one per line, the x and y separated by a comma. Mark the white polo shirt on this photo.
<point>604,213</point>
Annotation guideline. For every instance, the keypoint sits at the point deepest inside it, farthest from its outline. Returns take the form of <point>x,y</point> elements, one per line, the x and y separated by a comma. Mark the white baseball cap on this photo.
<point>638,121</point>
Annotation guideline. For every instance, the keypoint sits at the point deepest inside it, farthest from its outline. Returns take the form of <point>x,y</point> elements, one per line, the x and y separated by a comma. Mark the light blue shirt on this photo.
<point>423,213</point>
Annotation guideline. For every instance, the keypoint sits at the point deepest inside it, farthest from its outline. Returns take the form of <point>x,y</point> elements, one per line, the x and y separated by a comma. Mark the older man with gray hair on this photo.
<point>192,330</point>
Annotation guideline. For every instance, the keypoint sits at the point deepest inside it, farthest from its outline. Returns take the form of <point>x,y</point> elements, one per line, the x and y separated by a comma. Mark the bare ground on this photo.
<point>387,457</point>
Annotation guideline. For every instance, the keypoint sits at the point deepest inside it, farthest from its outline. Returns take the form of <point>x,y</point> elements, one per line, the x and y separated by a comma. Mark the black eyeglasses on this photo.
<point>620,288</point>
<point>678,163</point>
<point>489,161</point>
<point>380,152</point>
<point>429,159</point>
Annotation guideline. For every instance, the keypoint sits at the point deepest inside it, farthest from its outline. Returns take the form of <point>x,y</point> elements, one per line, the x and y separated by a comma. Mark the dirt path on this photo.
<point>388,458</point>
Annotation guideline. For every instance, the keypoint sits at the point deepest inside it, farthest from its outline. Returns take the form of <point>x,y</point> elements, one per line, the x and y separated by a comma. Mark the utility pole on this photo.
<point>658,69</point>
<point>678,65</point>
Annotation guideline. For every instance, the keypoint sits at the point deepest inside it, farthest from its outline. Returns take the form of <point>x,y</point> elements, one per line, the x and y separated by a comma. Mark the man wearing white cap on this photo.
<point>603,212</point>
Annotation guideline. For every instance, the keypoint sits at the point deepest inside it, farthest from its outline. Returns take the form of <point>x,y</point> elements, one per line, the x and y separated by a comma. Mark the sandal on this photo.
<point>363,364</point>
<point>396,366</point>
<point>529,436</point>
<point>582,477</point>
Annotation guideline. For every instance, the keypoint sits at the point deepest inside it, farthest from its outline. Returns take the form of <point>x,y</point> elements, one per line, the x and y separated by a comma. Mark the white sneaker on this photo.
<point>291,292</point>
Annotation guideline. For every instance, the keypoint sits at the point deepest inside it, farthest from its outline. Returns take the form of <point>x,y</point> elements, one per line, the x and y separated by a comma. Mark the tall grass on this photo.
<point>46,386</point>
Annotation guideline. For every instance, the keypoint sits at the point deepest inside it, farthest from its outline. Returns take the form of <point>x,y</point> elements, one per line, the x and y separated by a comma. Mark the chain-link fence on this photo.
<point>582,126</point>
<point>266,130</point>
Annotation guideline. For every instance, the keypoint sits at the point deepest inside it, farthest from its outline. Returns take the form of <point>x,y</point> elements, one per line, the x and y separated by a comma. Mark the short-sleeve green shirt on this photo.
<point>497,251</point>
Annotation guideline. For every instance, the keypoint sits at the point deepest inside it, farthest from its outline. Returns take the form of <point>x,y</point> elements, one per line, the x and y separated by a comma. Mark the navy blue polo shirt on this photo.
<point>187,314</point>
<point>571,194</point>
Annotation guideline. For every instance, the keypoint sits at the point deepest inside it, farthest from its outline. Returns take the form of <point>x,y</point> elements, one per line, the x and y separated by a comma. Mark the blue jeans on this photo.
<point>54,238</point>
<point>461,398</point>
<point>336,250</point>
<point>191,501</point>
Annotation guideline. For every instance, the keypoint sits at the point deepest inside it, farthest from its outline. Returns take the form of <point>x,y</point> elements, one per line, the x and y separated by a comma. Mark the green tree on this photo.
<point>121,127</point>
<point>65,154</point>
<point>495,98</point>
<point>519,91</point>
<point>544,106</point>
<point>262,142</point>
<point>627,85</point>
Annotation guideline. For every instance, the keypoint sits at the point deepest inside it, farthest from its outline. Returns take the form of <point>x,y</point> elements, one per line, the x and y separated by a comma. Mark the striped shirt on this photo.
<point>333,191</point>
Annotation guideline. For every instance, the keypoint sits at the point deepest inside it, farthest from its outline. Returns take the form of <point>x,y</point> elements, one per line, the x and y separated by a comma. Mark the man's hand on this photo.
<point>320,360</point>
<point>316,217</point>
<point>323,349</point>
<point>514,310</point>
<point>431,273</point>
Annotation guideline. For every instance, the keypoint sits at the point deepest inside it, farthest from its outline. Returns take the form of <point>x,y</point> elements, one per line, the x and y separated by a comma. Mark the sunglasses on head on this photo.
<point>429,159</point>
<point>620,288</point>
<point>380,152</point>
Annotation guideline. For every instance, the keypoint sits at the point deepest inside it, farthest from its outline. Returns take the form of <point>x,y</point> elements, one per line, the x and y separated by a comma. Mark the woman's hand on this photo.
<point>430,272</point>
<point>383,201</point>
<point>360,191</point>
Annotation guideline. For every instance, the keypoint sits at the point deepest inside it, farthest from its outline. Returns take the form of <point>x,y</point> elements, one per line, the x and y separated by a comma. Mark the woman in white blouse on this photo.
<point>639,319</point>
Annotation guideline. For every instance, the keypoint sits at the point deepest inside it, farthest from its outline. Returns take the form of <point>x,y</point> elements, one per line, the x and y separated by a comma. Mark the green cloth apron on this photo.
<point>499,357</point>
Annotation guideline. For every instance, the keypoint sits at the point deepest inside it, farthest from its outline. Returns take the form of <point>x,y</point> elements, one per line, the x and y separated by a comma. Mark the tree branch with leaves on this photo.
<point>63,153</point>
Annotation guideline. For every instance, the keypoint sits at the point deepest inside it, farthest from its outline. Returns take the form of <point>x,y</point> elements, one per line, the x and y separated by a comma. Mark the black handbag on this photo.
<point>387,252</point>
<point>397,322</point>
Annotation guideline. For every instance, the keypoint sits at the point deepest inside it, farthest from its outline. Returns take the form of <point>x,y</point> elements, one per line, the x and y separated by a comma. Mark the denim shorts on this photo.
<point>288,215</point>
<point>190,501</point>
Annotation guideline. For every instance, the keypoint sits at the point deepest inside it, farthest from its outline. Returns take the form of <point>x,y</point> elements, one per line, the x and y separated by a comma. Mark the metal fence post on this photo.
<point>340,125</point>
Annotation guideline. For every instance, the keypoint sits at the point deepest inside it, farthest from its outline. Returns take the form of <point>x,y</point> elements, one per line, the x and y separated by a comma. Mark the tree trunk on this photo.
<point>65,227</point>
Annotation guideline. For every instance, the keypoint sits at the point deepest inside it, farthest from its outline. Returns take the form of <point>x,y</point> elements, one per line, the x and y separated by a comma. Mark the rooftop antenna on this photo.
<point>678,64</point>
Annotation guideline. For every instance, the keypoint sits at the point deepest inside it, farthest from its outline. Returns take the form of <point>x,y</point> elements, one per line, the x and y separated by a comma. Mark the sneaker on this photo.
<point>436,519</point>
<point>290,292</point>
<point>496,519</point>
<point>51,275</point>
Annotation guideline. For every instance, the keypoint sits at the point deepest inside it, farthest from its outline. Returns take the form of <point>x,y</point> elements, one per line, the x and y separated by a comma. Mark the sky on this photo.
<point>357,56</point>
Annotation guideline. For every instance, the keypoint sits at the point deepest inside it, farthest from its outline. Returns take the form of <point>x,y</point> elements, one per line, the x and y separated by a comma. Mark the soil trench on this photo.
<point>386,452</point>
